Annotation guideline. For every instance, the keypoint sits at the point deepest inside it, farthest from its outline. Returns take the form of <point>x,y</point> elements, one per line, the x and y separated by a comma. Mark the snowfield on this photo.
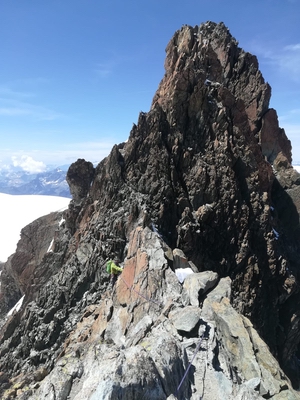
<point>297,167</point>
<point>18,211</point>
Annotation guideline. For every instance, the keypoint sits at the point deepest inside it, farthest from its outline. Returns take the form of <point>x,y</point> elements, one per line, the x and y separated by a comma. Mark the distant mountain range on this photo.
<point>193,188</point>
<point>52,182</point>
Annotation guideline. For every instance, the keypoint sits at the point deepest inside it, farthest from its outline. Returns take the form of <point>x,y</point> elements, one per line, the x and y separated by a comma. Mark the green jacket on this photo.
<point>114,269</point>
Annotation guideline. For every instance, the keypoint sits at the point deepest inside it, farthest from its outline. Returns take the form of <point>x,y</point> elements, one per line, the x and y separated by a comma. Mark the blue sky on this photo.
<point>74,74</point>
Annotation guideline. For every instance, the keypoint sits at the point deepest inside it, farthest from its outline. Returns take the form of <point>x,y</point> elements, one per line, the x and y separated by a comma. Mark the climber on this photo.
<point>112,267</point>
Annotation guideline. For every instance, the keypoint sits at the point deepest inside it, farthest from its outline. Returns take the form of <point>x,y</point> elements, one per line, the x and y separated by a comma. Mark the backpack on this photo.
<point>108,266</point>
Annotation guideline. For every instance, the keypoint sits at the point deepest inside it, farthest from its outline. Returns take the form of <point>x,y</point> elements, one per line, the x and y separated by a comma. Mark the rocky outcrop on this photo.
<point>199,185</point>
<point>139,342</point>
<point>79,177</point>
<point>38,256</point>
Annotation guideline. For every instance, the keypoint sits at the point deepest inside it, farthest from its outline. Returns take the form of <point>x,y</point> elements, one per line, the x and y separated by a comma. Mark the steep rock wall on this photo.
<point>208,170</point>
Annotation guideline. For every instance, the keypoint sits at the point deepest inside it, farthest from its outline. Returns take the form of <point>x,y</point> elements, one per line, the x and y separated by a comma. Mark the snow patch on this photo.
<point>182,273</point>
<point>18,211</point>
<point>50,246</point>
<point>297,167</point>
<point>276,234</point>
<point>16,307</point>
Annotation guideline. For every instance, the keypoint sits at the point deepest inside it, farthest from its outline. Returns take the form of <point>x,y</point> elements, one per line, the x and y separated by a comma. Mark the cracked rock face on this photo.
<point>135,347</point>
<point>205,184</point>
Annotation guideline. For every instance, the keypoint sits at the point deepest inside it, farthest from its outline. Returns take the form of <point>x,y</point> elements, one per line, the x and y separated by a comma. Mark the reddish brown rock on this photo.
<point>273,139</point>
<point>206,170</point>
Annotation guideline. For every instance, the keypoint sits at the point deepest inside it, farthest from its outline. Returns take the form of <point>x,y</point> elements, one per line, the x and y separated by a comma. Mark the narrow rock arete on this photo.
<point>204,187</point>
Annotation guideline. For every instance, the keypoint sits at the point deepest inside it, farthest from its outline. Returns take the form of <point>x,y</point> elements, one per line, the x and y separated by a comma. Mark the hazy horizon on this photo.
<point>75,77</point>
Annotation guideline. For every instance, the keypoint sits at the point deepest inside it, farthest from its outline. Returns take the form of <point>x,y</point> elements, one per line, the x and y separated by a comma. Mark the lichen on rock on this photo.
<point>204,183</point>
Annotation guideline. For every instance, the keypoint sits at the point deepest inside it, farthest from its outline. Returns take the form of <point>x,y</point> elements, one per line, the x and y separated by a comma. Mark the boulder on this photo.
<point>185,319</point>
<point>198,284</point>
<point>200,173</point>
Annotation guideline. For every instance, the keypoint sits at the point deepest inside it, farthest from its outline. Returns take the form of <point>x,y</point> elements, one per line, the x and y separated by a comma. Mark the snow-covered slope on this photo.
<point>18,211</point>
<point>297,167</point>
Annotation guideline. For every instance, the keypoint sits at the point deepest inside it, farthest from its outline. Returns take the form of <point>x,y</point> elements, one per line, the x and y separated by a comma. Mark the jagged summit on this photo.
<point>208,56</point>
<point>203,182</point>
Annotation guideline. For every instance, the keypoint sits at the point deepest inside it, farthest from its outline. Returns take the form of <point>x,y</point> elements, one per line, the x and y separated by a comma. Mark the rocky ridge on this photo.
<point>204,182</point>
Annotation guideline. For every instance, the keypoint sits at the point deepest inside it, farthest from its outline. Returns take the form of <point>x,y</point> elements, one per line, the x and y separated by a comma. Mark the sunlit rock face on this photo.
<point>204,183</point>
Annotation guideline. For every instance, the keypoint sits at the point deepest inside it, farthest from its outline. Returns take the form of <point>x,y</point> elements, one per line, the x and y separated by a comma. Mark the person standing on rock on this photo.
<point>112,267</point>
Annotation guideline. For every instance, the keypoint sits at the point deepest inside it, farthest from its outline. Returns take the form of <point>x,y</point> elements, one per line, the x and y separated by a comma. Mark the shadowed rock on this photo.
<point>200,173</point>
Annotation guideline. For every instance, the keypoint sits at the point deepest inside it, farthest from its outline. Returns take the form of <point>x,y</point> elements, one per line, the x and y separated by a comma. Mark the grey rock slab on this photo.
<point>139,330</point>
<point>244,392</point>
<point>235,340</point>
<point>287,395</point>
<point>116,326</point>
<point>272,376</point>
<point>83,253</point>
<point>56,386</point>
<point>221,291</point>
<point>185,319</point>
<point>172,288</point>
<point>151,243</point>
<point>198,284</point>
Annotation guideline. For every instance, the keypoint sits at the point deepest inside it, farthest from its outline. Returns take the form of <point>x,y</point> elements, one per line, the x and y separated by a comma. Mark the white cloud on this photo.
<point>292,131</point>
<point>293,47</point>
<point>90,151</point>
<point>11,93</point>
<point>103,70</point>
<point>56,155</point>
<point>289,60</point>
<point>28,164</point>
<point>285,58</point>
<point>107,67</point>
<point>13,111</point>
<point>295,111</point>
<point>14,108</point>
<point>290,115</point>
<point>15,103</point>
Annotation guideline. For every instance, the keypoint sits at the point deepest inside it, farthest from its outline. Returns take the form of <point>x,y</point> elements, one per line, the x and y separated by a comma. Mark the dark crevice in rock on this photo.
<point>215,361</point>
<point>203,168</point>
